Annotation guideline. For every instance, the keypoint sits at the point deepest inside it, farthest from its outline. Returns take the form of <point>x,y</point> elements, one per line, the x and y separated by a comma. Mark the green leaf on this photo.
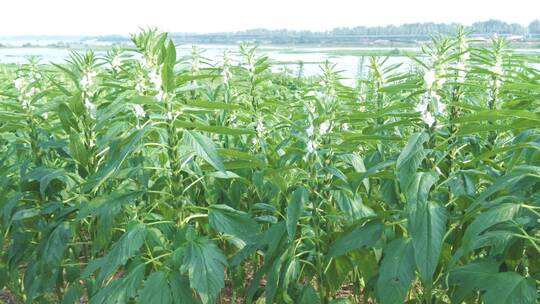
<point>337,272</point>
<point>118,152</point>
<point>396,273</point>
<point>73,294</point>
<point>4,275</point>
<point>126,247</point>
<point>308,295</point>
<point>493,115</point>
<point>77,150</point>
<point>356,238</point>
<point>410,159</point>
<point>495,215</point>
<point>25,214</point>
<point>212,129</point>
<point>427,225</point>
<point>56,244</point>
<point>233,222</point>
<point>212,105</point>
<point>45,176</point>
<point>297,200</point>
<point>156,290</point>
<point>205,264</point>
<point>352,207</point>
<point>498,287</point>
<point>204,148</point>
<point>181,292</point>
<point>121,290</point>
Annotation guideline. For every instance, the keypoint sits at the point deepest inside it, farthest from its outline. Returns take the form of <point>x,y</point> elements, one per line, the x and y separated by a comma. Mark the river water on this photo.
<point>286,57</point>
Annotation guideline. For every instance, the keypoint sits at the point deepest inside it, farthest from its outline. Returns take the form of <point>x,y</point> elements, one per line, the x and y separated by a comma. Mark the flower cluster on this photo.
<point>431,105</point>
<point>87,80</point>
<point>138,111</point>
<point>91,107</point>
<point>25,84</point>
<point>116,63</point>
<point>226,73</point>
<point>497,70</point>
<point>430,102</point>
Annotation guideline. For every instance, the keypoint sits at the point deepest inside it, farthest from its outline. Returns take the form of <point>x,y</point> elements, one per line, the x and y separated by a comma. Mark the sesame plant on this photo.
<point>145,177</point>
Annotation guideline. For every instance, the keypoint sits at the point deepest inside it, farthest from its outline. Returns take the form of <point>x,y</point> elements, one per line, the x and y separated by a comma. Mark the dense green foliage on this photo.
<point>142,177</point>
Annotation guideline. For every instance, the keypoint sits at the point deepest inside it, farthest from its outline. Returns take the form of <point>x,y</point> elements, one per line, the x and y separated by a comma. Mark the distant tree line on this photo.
<point>489,27</point>
<point>396,33</point>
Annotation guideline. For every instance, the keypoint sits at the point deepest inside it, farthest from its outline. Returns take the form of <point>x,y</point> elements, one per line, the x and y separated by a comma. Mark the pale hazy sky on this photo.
<point>80,17</point>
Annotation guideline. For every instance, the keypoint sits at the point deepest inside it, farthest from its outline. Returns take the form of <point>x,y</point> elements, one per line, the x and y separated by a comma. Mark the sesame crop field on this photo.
<point>142,176</point>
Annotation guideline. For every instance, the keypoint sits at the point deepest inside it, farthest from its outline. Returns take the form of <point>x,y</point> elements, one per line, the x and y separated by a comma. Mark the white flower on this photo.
<point>440,107</point>
<point>233,117</point>
<point>30,92</point>
<point>169,116</point>
<point>311,146</point>
<point>345,127</point>
<point>309,131</point>
<point>461,71</point>
<point>428,118</point>
<point>429,78</point>
<point>260,127</point>
<point>87,80</point>
<point>92,109</point>
<point>161,95</point>
<point>311,107</point>
<point>19,83</point>
<point>25,104</point>
<point>497,68</point>
<point>226,74</point>
<point>116,63</point>
<point>423,105</point>
<point>155,79</point>
<point>440,82</point>
<point>324,127</point>
<point>45,115</point>
<point>138,111</point>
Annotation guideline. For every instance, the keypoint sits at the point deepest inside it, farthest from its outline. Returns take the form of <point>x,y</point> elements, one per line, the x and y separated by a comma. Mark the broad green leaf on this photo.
<point>352,207</point>
<point>308,295</point>
<point>205,264</point>
<point>126,247</point>
<point>495,215</point>
<point>156,290</point>
<point>121,290</point>
<point>204,148</point>
<point>427,225</point>
<point>410,159</point>
<point>56,244</point>
<point>498,287</point>
<point>204,104</point>
<point>180,290</point>
<point>119,151</point>
<point>233,222</point>
<point>45,176</point>
<point>297,201</point>
<point>356,238</point>
<point>396,273</point>
<point>212,129</point>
